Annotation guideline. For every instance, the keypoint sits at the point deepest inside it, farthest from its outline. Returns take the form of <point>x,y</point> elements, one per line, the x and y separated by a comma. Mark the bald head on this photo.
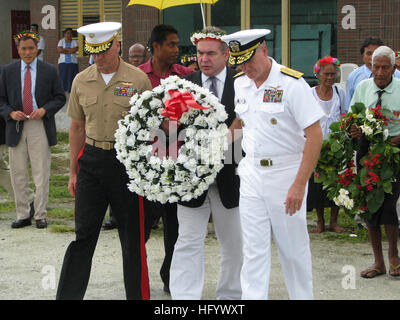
<point>137,54</point>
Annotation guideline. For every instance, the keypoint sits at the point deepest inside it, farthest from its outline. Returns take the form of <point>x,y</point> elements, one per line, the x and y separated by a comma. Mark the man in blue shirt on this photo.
<point>364,72</point>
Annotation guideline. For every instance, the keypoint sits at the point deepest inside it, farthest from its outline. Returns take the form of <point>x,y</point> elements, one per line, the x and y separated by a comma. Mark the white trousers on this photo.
<point>187,267</point>
<point>263,191</point>
<point>34,148</point>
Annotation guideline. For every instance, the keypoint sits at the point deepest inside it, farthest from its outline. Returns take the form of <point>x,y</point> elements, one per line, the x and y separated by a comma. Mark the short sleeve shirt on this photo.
<point>101,105</point>
<point>155,78</point>
<point>367,93</point>
<point>67,58</point>
<point>41,46</point>
<point>275,115</point>
<point>331,108</point>
<point>354,78</point>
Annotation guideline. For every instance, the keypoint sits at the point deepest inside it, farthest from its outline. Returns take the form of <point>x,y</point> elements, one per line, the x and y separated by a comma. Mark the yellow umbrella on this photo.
<point>163,4</point>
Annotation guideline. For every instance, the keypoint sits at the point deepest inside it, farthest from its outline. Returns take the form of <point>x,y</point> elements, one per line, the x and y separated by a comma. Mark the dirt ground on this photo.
<point>31,259</point>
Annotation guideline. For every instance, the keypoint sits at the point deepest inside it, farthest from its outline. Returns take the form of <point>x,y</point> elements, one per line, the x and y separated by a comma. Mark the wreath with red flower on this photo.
<point>359,192</point>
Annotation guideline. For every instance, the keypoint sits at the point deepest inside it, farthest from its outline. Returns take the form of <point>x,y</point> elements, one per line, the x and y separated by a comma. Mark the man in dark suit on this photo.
<point>222,197</point>
<point>30,94</point>
<point>3,164</point>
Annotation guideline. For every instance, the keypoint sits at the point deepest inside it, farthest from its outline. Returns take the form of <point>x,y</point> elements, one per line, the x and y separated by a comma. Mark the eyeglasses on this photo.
<point>136,57</point>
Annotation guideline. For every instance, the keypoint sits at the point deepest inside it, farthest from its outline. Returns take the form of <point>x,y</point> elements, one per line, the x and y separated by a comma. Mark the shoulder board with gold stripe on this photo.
<point>237,75</point>
<point>291,72</point>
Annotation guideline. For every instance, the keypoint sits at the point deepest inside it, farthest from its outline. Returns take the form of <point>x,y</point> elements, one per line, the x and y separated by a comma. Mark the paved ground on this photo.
<point>31,259</point>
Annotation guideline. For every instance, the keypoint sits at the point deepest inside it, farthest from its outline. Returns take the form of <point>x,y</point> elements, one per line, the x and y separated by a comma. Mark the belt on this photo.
<point>275,160</point>
<point>105,145</point>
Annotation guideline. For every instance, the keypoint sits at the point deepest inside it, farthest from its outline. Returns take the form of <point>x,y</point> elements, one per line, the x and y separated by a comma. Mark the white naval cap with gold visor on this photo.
<point>243,44</point>
<point>99,36</point>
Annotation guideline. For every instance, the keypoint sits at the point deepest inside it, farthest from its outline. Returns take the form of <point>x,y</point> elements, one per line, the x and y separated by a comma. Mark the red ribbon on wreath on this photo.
<point>178,104</point>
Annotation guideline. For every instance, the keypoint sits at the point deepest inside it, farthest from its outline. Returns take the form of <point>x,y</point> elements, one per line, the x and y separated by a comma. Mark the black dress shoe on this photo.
<point>166,289</point>
<point>20,223</point>
<point>41,223</point>
<point>110,224</point>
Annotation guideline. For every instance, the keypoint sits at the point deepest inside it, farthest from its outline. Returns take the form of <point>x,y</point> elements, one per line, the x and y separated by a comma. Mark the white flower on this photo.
<point>191,165</point>
<point>147,95</point>
<point>151,174</point>
<point>134,126</point>
<point>200,121</point>
<point>155,103</point>
<point>182,158</point>
<point>170,179</point>
<point>180,175</point>
<point>370,116</point>
<point>131,141</point>
<point>367,130</point>
<point>159,89</point>
<point>191,133</point>
<point>133,99</point>
<point>143,135</point>
<point>153,122</point>
<point>168,163</point>
<point>145,150</point>
<point>184,118</point>
<point>142,112</point>
<point>385,134</point>
<point>343,192</point>
<point>348,203</point>
<point>134,109</point>
<point>337,201</point>
<point>155,162</point>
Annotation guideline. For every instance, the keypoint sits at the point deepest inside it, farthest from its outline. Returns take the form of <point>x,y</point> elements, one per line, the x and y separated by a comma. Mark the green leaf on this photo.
<point>357,108</point>
<point>387,186</point>
<point>335,126</point>
<point>378,148</point>
<point>387,171</point>
<point>335,146</point>
<point>375,199</point>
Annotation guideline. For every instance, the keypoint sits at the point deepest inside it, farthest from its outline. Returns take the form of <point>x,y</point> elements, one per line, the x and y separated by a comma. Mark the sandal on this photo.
<point>395,268</point>
<point>372,273</point>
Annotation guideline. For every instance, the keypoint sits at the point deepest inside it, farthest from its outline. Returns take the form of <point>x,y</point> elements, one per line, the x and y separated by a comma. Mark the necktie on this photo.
<point>27,101</point>
<point>379,102</point>
<point>213,86</point>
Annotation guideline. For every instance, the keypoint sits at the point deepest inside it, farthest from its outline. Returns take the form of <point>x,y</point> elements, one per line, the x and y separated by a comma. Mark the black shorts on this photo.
<point>387,213</point>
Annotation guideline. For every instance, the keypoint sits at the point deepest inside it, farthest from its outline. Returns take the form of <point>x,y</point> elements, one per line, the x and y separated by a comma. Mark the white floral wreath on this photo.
<point>199,35</point>
<point>201,155</point>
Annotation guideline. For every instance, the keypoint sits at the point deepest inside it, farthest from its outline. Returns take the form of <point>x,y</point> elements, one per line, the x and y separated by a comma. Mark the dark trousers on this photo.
<point>168,213</point>
<point>387,213</point>
<point>67,72</point>
<point>102,180</point>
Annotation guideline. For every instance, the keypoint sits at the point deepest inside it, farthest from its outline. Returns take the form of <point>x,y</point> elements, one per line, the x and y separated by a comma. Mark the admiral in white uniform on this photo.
<point>282,140</point>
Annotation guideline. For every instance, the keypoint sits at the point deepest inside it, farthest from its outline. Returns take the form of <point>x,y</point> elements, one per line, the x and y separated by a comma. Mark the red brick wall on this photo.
<point>373,18</point>
<point>51,35</point>
<point>137,21</point>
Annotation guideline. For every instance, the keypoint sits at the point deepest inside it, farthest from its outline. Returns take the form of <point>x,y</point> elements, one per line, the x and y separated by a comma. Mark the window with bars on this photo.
<point>77,13</point>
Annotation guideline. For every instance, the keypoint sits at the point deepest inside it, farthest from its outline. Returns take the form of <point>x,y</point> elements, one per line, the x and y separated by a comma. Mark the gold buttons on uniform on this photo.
<point>242,123</point>
<point>274,121</point>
